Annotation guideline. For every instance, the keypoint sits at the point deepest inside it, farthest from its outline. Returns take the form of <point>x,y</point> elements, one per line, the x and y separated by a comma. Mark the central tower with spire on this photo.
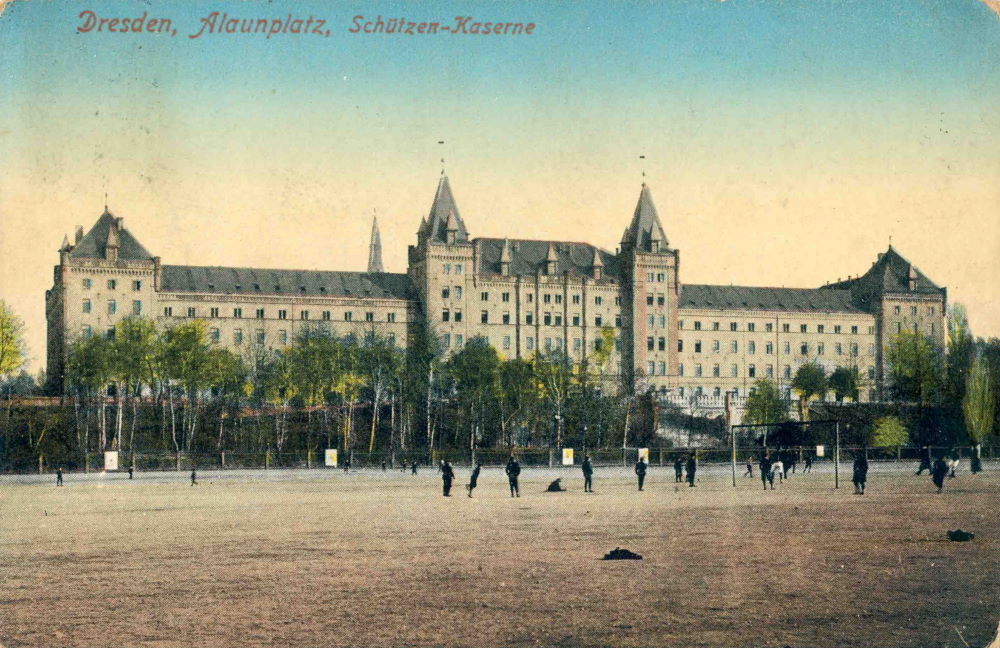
<point>375,249</point>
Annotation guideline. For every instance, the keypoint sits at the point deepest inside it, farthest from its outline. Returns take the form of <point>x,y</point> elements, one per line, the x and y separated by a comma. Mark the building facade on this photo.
<point>626,313</point>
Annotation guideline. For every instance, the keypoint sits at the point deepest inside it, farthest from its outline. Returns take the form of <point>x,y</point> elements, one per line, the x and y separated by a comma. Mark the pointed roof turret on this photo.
<point>551,255</point>
<point>94,244</point>
<point>375,249</point>
<point>597,263</point>
<point>112,240</point>
<point>505,255</point>
<point>444,216</point>
<point>645,228</point>
<point>65,244</point>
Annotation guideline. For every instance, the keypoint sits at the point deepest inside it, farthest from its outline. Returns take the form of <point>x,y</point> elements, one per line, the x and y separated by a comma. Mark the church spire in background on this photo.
<point>375,249</point>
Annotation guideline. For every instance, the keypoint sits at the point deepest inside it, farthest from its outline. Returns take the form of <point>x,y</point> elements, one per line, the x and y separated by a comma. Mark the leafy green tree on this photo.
<point>889,432</point>
<point>280,388</point>
<point>186,360</point>
<point>88,372</point>
<point>809,381</point>
<point>554,377</point>
<point>516,397</point>
<point>133,353</point>
<point>844,381</point>
<point>979,406</point>
<point>423,359</point>
<point>475,371</point>
<point>380,362</point>
<point>916,376</point>
<point>228,377</point>
<point>11,340</point>
<point>765,404</point>
<point>961,353</point>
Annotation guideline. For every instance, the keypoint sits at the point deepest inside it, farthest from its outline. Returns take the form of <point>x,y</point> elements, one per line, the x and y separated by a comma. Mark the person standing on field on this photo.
<point>413,467</point>
<point>749,472</point>
<point>194,478</point>
<point>130,471</point>
<point>588,475</point>
<point>938,472</point>
<point>513,469</point>
<point>860,473</point>
<point>474,478</point>
<point>59,479</point>
<point>765,469</point>
<point>640,471</point>
<point>678,470</point>
<point>447,476</point>
<point>925,462</point>
<point>809,462</point>
<point>692,466</point>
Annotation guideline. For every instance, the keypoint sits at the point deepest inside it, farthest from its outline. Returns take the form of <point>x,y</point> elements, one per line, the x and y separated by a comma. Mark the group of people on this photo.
<point>691,466</point>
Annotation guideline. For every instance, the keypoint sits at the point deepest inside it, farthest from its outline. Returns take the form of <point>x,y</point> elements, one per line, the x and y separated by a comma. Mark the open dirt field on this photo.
<point>320,558</point>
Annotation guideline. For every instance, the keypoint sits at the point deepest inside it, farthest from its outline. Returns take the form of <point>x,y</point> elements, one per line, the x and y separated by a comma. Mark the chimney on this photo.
<point>79,235</point>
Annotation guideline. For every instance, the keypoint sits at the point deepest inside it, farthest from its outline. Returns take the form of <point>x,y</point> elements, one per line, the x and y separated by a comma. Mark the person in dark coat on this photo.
<point>588,475</point>
<point>59,478</point>
<point>860,473</point>
<point>513,469</point>
<point>938,472</point>
<point>809,462</point>
<point>413,468</point>
<point>640,471</point>
<point>766,475</point>
<point>194,478</point>
<point>749,472</point>
<point>130,471</point>
<point>474,478</point>
<point>691,467</point>
<point>447,476</point>
<point>925,462</point>
<point>678,470</point>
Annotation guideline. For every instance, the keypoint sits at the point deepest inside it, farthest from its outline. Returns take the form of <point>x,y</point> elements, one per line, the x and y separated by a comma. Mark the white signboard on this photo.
<point>820,450</point>
<point>331,457</point>
<point>567,456</point>
<point>644,454</point>
<point>111,460</point>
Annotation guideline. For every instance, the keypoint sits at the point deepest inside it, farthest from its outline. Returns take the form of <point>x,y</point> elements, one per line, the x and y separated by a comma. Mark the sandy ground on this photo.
<point>320,558</point>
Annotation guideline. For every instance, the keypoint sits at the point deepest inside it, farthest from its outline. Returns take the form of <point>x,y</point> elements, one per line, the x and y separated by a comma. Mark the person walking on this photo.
<point>938,472</point>
<point>474,478</point>
<point>692,466</point>
<point>809,462</point>
<point>588,475</point>
<point>860,473</point>
<point>130,471</point>
<point>749,472</point>
<point>413,467</point>
<point>59,479</point>
<point>194,478</point>
<point>678,469</point>
<point>640,471</point>
<point>765,469</point>
<point>447,476</point>
<point>925,462</point>
<point>513,469</point>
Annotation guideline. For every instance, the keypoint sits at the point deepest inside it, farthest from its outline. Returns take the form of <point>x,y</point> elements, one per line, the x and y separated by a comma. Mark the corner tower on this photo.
<point>650,294</point>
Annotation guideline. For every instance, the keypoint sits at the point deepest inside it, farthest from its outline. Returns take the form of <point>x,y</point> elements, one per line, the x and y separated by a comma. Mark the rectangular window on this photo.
<point>576,320</point>
<point>819,348</point>
<point>283,336</point>
<point>112,284</point>
<point>446,340</point>
<point>899,327</point>
<point>445,315</point>
<point>392,339</point>
<point>598,300</point>
<point>716,346</point>
<point>680,346</point>
<point>505,297</point>
<point>484,317</point>
<point>618,320</point>
<point>715,326</point>
<point>282,314</point>
<point>87,331</point>
<point>260,313</point>
<point>136,307</point>
<point>820,328</point>
<point>854,350</point>
<point>788,372</point>
<point>660,299</point>
<point>836,328</point>
<point>458,270</point>
<point>547,319</point>
<point>661,367</point>
<point>529,318</point>
<point>531,298</point>
<point>547,298</point>
<point>871,330</point>
<point>458,295</point>
<point>680,370</point>
<point>649,276</point>
<point>168,311</point>
<point>680,325</point>
<point>650,343</point>
<point>87,284</point>
<point>769,348</point>
<point>326,316</point>
<point>930,310</point>
<point>86,305</point>
<point>136,285</point>
<point>871,373</point>
<point>558,319</point>
<point>548,344</point>
<point>213,335</point>
<point>238,337</point>
<point>803,328</point>
<point>112,307</point>
<point>237,313</point>
<point>838,348</point>
<point>697,326</point>
<point>770,371</point>
<point>734,347</point>
<point>370,316</point>
<point>505,317</point>
<point>576,299</point>
<point>752,371</point>
<point>871,349</point>
<point>788,348</point>
<point>598,321</point>
<point>750,327</point>
<point>732,326</point>
<point>854,330</point>
<point>697,370</point>
<point>558,299</point>
<point>390,317</point>
<point>895,310</point>
<point>804,349</point>
<point>716,372</point>
<point>529,343</point>
<point>260,336</point>
<point>484,296</point>
<point>697,346</point>
<point>785,328</point>
<point>577,344</point>
<point>111,333</point>
<point>913,311</point>
<point>662,319</point>
<point>458,316</point>
<point>751,348</point>
<point>769,327</point>
<point>445,292</point>
<point>506,341</point>
<point>661,344</point>
<point>213,312</point>
<point>932,328</point>
<point>651,368</point>
<point>304,314</point>
<point>348,316</point>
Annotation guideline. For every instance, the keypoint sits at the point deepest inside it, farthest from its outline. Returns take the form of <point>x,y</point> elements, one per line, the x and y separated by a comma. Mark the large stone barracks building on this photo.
<point>523,296</point>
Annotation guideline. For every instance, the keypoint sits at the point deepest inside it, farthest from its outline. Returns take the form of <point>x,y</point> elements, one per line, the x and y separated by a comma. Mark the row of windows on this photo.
<point>931,310</point>
<point>448,292</point>
<point>751,347</point>
<point>659,277</point>
<point>113,307</point>
<point>660,299</point>
<point>550,344</point>
<point>548,319</point>
<point>215,336</point>
<point>785,328</point>
<point>786,392</point>
<point>112,284</point>
<point>213,312</point>
<point>734,371</point>
<point>914,327</point>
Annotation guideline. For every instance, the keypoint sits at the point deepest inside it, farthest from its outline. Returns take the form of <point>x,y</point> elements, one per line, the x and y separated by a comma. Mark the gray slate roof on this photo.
<point>645,226</point>
<point>314,283</point>
<point>889,274</point>
<point>443,207</point>
<point>93,244</point>
<point>818,300</point>
<point>528,257</point>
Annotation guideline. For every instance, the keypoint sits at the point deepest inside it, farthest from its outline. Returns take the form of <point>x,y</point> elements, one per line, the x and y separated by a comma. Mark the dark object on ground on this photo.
<point>555,487</point>
<point>960,536</point>
<point>621,554</point>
